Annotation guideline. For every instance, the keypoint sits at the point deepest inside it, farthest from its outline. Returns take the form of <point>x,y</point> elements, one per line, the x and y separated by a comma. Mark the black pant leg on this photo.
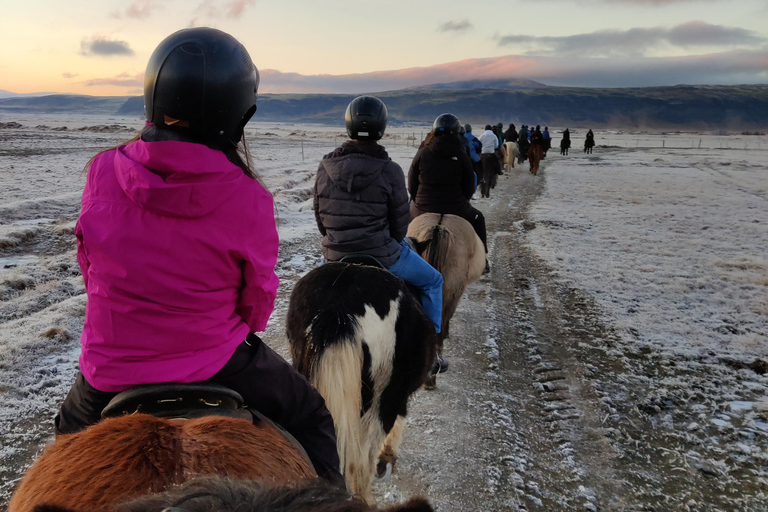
<point>81,408</point>
<point>477,219</point>
<point>270,385</point>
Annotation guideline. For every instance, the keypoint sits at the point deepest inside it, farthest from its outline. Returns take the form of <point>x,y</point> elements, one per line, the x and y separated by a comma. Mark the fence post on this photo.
<point>699,143</point>
<point>663,143</point>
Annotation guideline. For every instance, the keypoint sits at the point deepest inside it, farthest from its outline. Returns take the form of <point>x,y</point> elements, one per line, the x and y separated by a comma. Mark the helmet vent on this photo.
<point>191,48</point>
<point>246,58</point>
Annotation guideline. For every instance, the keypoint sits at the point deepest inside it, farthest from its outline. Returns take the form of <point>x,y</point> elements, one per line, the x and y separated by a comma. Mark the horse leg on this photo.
<point>388,454</point>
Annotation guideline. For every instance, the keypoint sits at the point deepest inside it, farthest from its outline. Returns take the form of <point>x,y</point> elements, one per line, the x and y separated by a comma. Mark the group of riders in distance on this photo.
<point>177,244</point>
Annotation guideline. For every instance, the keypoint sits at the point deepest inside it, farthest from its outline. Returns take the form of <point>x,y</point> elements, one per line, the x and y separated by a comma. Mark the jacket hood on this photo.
<point>355,164</point>
<point>176,179</point>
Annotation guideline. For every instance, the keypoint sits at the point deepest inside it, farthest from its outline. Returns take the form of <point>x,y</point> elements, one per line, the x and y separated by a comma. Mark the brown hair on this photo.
<point>240,155</point>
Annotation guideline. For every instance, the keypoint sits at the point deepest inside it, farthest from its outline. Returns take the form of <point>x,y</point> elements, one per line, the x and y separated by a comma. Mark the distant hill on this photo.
<point>507,84</point>
<point>9,94</point>
<point>481,102</point>
<point>63,103</point>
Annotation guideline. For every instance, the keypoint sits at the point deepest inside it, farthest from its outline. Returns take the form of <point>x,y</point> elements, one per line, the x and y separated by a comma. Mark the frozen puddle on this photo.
<point>9,262</point>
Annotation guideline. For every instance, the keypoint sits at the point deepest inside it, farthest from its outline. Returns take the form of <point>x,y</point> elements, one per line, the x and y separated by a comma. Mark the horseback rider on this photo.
<point>565,143</point>
<point>489,140</point>
<point>440,179</point>
<point>511,134</point>
<point>361,205</point>
<point>537,138</point>
<point>475,148</point>
<point>523,142</point>
<point>177,244</point>
<point>589,142</point>
<point>547,139</point>
<point>464,141</point>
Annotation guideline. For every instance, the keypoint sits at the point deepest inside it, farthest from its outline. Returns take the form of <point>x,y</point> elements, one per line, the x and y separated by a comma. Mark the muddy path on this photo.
<point>545,408</point>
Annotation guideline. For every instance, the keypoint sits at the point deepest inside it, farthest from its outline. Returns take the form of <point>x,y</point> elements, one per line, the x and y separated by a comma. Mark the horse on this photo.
<point>208,493</point>
<point>565,144</point>
<point>512,153</point>
<point>523,146</point>
<point>589,143</point>
<point>491,170</point>
<point>535,154</point>
<point>450,244</point>
<point>359,335</point>
<point>128,456</point>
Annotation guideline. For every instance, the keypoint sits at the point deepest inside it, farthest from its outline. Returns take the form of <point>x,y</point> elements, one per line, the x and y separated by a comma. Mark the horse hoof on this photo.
<point>383,470</point>
<point>431,383</point>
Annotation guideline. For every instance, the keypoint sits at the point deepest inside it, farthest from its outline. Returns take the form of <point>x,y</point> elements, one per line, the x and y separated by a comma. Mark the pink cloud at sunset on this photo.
<point>740,66</point>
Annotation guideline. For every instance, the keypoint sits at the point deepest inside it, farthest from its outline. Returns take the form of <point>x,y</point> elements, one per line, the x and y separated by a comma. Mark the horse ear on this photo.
<point>412,505</point>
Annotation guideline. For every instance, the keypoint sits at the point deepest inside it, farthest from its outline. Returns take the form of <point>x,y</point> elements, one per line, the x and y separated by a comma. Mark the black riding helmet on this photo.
<point>366,118</point>
<point>203,80</point>
<point>446,124</point>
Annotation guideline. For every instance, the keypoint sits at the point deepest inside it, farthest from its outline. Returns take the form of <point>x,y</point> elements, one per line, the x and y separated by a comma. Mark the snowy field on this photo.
<point>670,242</point>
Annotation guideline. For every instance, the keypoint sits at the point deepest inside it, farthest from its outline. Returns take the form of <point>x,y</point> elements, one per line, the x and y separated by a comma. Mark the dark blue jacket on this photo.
<point>474,146</point>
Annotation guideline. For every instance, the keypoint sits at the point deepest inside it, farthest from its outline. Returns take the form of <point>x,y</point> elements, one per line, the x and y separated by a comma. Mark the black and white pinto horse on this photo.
<point>358,334</point>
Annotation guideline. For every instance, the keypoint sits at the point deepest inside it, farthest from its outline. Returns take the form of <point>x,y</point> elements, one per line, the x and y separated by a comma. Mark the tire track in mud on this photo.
<point>614,425</point>
<point>568,458</point>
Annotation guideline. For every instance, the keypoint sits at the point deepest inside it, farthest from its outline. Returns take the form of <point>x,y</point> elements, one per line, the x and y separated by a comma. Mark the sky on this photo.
<point>101,47</point>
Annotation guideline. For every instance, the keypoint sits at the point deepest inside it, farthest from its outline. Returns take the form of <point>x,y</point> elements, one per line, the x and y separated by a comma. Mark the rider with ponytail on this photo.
<point>441,178</point>
<point>177,244</point>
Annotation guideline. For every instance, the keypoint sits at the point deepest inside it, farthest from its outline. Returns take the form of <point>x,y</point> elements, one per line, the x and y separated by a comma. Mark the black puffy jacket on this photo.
<point>360,201</point>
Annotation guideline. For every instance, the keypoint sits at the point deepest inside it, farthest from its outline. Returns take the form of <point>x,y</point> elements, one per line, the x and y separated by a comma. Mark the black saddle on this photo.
<point>362,259</point>
<point>176,400</point>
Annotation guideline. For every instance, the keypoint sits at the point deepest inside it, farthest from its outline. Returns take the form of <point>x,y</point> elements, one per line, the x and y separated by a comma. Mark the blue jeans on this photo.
<point>412,269</point>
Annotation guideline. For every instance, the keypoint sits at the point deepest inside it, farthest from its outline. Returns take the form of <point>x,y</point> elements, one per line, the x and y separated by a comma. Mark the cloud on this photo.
<point>139,9</point>
<point>455,26</point>
<point>230,9</point>
<point>236,7</point>
<point>69,75</point>
<point>99,45</point>
<point>725,68</point>
<point>121,80</point>
<point>636,42</point>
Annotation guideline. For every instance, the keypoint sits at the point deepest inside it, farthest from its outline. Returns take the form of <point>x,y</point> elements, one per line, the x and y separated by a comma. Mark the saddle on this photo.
<point>182,401</point>
<point>174,400</point>
<point>362,259</point>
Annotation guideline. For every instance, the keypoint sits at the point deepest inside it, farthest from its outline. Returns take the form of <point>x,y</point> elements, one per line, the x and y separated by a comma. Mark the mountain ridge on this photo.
<point>488,101</point>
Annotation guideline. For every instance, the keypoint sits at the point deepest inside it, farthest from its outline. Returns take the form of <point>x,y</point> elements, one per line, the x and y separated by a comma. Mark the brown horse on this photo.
<point>535,154</point>
<point>358,334</point>
<point>216,493</point>
<point>448,243</point>
<point>130,456</point>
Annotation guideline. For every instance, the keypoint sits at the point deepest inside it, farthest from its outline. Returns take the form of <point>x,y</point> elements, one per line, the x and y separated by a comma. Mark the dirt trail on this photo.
<point>543,410</point>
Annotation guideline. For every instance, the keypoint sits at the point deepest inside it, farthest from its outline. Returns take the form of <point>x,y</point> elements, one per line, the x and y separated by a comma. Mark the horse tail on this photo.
<point>337,374</point>
<point>439,244</point>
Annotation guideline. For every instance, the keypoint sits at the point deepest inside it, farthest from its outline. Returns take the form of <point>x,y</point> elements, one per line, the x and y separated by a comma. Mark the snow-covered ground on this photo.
<point>671,244</point>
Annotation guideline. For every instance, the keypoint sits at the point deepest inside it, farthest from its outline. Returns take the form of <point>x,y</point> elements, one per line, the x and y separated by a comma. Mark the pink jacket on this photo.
<point>178,249</point>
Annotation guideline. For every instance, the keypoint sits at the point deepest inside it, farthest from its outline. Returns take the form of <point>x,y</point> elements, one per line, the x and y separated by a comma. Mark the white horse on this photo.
<point>512,151</point>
